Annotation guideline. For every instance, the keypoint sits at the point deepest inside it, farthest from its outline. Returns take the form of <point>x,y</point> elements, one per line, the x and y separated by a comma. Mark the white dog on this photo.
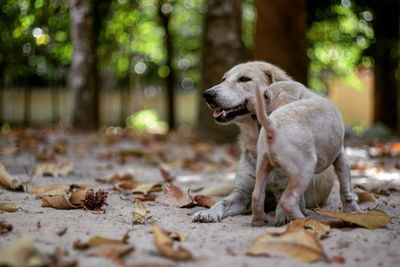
<point>303,135</point>
<point>228,100</point>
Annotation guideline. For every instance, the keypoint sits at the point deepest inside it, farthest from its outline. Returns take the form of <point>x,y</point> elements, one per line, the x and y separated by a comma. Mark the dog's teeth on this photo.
<point>224,113</point>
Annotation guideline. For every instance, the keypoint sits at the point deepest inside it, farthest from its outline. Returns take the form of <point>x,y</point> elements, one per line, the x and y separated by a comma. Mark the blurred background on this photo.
<point>143,64</point>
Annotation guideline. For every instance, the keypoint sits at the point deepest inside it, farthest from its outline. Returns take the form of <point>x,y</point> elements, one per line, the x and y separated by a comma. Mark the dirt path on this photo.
<point>218,244</point>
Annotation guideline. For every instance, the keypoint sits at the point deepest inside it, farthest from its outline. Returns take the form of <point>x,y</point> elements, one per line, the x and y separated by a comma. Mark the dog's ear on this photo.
<point>276,75</point>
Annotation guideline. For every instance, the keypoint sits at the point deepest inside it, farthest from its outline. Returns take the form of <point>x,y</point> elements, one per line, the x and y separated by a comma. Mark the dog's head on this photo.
<point>229,99</point>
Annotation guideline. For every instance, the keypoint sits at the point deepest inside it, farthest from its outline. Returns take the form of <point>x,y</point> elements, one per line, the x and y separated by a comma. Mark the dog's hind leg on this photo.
<point>343,172</point>
<point>257,205</point>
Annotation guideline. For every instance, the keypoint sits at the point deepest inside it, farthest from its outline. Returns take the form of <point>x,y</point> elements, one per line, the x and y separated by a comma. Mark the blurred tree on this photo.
<point>223,48</point>
<point>86,24</point>
<point>281,36</point>
<point>165,9</point>
<point>386,54</point>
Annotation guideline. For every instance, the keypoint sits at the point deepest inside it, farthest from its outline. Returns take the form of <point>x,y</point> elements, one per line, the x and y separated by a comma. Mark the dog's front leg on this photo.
<point>238,201</point>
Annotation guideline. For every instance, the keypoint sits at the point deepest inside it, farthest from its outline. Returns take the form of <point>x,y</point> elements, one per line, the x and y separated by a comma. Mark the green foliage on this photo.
<point>35,40</point>
<point>336,45</point>
<point>146,120</point>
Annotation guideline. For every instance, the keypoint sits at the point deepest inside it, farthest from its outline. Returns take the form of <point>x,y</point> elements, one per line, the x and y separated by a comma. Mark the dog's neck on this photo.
<point>249,130</point>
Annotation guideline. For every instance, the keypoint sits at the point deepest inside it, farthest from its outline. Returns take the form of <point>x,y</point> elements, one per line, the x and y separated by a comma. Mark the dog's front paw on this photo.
<point>351,206</point>
<point>215,214</point>
<point>280,217</point>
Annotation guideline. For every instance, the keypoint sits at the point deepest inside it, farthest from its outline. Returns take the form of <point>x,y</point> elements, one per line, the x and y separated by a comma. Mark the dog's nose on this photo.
<point>209,96</point>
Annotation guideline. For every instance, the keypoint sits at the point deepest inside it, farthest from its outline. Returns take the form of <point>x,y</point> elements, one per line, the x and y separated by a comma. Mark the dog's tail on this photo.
<point>261,113</point>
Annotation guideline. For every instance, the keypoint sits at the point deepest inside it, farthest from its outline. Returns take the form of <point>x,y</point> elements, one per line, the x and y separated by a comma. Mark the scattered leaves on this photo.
<point>176,196</point>
<point>19,253</point>
<point>126,185</point>
<point>319,228</point>
<point>139,212</point>
<point>57,202</point>
<point>165,245</point>
<point>54,169</point>
<point>98,241</point>
<point>371,219</point>
<point>8,181</point>
<point>295,242</point>
<point>365,196</point>
<point>221,189</point>
<point>179,198</point>
<point>112,251</point>
<point>166,174</point>
<point>116,178</point>
<point>146,189</point>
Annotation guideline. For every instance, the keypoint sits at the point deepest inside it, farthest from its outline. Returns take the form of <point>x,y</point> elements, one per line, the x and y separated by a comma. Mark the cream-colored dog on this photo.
<point>303,134</point>
<point>228,100</point>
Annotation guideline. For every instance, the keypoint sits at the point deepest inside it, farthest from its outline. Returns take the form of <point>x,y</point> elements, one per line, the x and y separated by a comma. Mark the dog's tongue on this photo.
<point>217,113</point>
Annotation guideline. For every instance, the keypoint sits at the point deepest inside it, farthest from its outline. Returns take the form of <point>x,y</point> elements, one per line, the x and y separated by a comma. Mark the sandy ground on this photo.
<point>211,244</point>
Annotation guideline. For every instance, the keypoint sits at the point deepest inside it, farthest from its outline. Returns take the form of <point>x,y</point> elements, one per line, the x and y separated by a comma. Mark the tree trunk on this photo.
<point>83,73</point>
<point>222,49</point>
<point>386,29</point>
<point>165,15</point>
<point>281,36</point>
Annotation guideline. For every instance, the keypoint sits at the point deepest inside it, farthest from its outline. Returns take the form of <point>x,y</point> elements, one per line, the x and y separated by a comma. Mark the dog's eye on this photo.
<point>244,79</point>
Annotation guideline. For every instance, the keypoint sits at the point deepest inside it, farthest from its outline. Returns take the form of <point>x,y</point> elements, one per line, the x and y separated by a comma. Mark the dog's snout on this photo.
<point>209,96</point>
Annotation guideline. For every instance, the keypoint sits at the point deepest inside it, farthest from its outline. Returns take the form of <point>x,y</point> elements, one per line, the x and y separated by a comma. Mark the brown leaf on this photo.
<point>58,202</point>
<point>116,178</point>
<point>143,197</point>
<point>204,201</point>
<point>53,169</point>
<point>77,196</point>
<point>164,244</point>
<point>9,207</point>
<point>371,219</point>
<point>174,195</point>
<point>8,181</point>
<point>166,173</point>
<point>139,212</point>
<point>295,242</point>
<point>100,240</point>
<point>51,189</point>
<point>126,185</point>
<point>319,228</point>
<point>111,251</point>
<point>5,227</point>
<point>176,235</point>
<point>146,189</point>
<point>365,196</point>
<point>94,201</point>
<point>19,253</point>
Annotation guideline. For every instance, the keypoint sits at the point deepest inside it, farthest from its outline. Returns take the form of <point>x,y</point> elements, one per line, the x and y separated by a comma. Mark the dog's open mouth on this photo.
<point>225,115</point>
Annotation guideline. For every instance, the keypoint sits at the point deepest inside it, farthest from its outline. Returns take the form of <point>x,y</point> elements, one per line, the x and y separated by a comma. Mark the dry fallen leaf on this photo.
<point>139,212</point>
<point>204,201</point>
<point>146,189</point>
<point>176,235</point>
<point>9,207</point>
<point>176,196</point>
<point>58,202</point>
<point>126,185</point>
<point>8,181</point>
<point>370,219</point>
<point>295,241</point>
<point>19,253</point>
<point>51,189</point>
<point>5,227</point>
<point>111,251</point>
<point>94,200</point>
<point>116,178</point>
<point>166,173</point>
<point>100,240</point>
<point>319,228</point>
<point>165,245</point>
<point>53,169</point>
<point>365,196</point>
